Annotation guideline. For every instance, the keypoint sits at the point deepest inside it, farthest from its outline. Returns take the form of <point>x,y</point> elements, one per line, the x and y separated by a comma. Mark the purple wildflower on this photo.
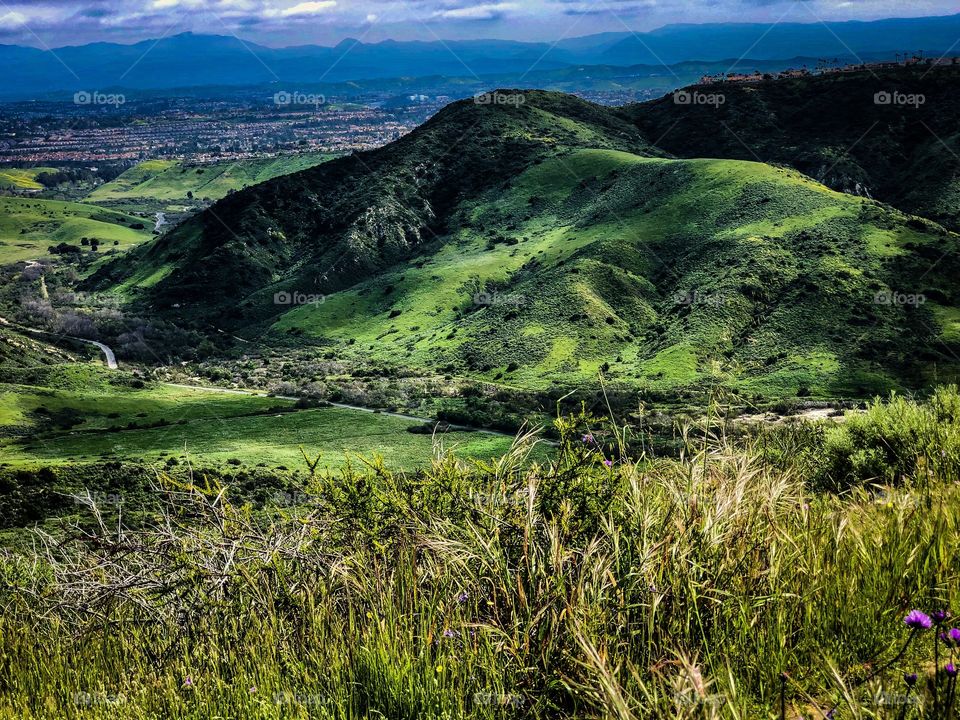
<point>587,439</point>
<point>917,620</point>
<point>953,637</point>
<point>188,681</point>
<point>463,597</point>
<point>608,463</point>
<point>448,633</point>
<point>939,616</point>
<point>950,669</point>
<point>910,679</point>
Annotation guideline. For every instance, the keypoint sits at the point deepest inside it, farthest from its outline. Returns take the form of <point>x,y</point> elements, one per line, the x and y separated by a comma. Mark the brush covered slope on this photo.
<point>538,243</point>
<point>887,133</point>
<point>328,226</point>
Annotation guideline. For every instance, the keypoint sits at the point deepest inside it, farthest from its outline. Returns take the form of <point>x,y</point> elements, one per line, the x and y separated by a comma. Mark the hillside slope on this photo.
<point>29,226</point>
<point>833,129</point>
<point>324,228</point>
<point>537,244</point>
<point>154,184</point>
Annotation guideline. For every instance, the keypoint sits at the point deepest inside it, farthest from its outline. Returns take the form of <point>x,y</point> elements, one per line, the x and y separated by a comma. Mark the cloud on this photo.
<point>54,23</point>
<point>485,11</point>
<point>312,7</point>
<point>12,20</point>
<point>170,4</point>
<point>607,7</point>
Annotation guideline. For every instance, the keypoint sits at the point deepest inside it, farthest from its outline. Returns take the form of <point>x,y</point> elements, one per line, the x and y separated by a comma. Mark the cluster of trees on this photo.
<point>104,172</point>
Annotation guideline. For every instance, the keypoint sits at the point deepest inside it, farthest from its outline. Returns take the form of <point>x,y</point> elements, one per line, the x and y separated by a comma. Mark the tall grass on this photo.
<point>716,585</point>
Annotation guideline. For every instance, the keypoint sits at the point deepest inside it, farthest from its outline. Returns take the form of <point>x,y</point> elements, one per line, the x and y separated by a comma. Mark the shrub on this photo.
<point>894,440</point>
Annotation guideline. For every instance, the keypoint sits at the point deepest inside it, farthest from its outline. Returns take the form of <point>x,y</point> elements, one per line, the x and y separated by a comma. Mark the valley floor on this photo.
<point>100,417</point>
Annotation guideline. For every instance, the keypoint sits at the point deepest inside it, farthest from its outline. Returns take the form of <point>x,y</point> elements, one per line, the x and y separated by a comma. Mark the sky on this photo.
<point>280,23</point>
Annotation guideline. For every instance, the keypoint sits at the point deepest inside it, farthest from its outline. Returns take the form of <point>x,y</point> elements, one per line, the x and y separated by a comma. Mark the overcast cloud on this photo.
<point>53,23</point>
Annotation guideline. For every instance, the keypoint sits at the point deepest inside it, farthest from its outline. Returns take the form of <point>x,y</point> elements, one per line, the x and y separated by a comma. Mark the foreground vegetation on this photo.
<point>766,576</point>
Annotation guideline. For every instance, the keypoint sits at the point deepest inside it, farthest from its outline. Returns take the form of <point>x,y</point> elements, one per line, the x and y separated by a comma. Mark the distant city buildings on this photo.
<point>200,131</point>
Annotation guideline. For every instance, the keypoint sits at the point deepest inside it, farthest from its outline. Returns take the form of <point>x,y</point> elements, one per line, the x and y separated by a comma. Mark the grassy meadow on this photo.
<point>754,577</point>
<point>29,226</point>
<point>94,416</point>
<point>23,178</point>
<point>164,184</point>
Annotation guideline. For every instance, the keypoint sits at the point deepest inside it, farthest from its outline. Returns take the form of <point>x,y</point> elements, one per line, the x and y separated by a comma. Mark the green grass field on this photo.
<point>29,226</point>
<point>94,415</point>
<point>163,184</point>
<point>22,178</point>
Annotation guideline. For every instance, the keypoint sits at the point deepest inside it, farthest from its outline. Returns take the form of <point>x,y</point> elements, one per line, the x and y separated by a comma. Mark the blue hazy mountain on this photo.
<point>676,43</point>
<point>190,60</point>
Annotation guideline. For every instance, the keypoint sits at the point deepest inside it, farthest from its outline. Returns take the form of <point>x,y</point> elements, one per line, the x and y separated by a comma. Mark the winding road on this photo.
<point>107,352</point>
<point>111,358</point>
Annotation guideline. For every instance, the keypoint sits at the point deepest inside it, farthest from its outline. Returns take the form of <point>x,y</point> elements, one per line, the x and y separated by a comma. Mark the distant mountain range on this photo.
<point>190,60</point>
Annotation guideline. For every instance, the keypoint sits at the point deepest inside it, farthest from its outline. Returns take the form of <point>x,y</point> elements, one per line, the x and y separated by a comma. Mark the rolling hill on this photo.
<point>832,128</point>
<point>23,178</point>
<point>30,226</point>
<point>537,243</point>
<point>156,184</point>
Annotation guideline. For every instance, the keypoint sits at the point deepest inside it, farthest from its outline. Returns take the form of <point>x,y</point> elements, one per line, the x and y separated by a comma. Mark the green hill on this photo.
<point>29,226</point>
<point>22,178</point>
<point>891,134</point>
<point>331,224</point>
<point>538,243</point>
<point>157,184</point>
